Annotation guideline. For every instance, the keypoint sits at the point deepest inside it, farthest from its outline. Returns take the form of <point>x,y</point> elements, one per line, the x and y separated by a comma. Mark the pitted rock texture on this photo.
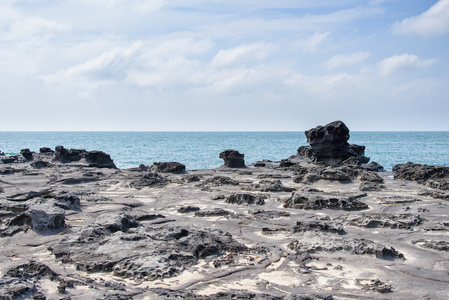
<point>377,220</point>
<point>432,176</point>
<point>168,167</point>
<point>246,199</point>
<point>315,242</point>
<point>116,243</point>
<point>319,200</point>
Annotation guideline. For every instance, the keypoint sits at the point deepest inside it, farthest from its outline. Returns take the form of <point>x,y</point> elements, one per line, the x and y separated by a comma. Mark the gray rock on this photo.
<point>370,176</point>
<point>97,159</point>
<point>216,212</point>
<point>9,159</point>
<point>168,167</point>
<point>114,222</point>
<point>320,200</point>
<point>377,220</point>
<point>27,154</point>
<point>149,180</point>
<point>40,164</point>
<point>246,199</point>
<point>433,176</point>
<point>188,209</point>
<point>368,186</point>
<point>45,216</point>
<point>144,253</point>
<point>233,159</point>
<point>46,151</point>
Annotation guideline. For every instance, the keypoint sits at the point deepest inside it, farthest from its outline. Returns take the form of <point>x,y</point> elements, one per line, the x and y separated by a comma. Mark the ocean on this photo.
<point>200,150</point>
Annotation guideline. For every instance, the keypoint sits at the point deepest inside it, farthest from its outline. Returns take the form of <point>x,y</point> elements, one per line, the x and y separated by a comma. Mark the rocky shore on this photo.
<point>324,223</point>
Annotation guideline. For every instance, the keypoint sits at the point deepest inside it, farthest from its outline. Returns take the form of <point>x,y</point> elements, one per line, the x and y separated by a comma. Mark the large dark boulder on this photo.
<point>233,159</point>
<point>27,154</point>
<point>168,167</point>
<point>98,159</point>
<point>65,155</point>
<point>329,144</point>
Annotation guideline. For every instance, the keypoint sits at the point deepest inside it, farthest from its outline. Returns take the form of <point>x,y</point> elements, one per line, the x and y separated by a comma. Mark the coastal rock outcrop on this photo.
<point>432,176</point>
<point>96,159</point>
<point>27,154</point>
<point>329,144</point>
<point>233,159</point>
<point>315,199</point>
<point>168,167</point>
<point>145,253</point>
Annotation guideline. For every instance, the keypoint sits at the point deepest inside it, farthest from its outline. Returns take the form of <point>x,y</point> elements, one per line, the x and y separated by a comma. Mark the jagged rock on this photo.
<point>314,242</point>
<point>433,176</point>
<point>233,159</point>
<point>188,209</point>
<point>235,294</point>
<point>168,167</point>
<point>40,164</point>
<point>191,178</point>
<point>329,144</point>
<point>9,159</point>
<point>320,200</point>
<point>305,151</point>
<point>333,227</point>
<point>368,186</point>
<point>149,180</point>
<point>46,150</point>
<point>285,163</point>
<point>269,186</point>
<point>46,216</point>
<point>374,285</point>
<point>2,153</point>
<point>97,159</point>
<point>435,194</point>
<point>246,199</point>
<point>377,220</point>
<point>370,176</point>
<point>398,200</point>
<point>437,245</point>
<point>219,181</point>
<point>216,212</point>
<point>114,222</point>
<point>27,154</point>
<point>149,217</point>
<point>269,214</point>
<point>373,166</point>
<point>335,174</point>
<point>145,253</point>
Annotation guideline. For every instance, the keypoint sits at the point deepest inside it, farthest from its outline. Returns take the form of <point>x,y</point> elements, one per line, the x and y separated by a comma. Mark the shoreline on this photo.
<point>312,226</point>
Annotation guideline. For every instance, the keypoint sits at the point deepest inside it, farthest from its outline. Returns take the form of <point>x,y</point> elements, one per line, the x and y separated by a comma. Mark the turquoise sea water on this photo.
<point>198,150</point>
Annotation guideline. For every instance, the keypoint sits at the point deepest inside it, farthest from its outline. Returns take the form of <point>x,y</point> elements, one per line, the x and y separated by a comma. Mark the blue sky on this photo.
<point>156,65</point>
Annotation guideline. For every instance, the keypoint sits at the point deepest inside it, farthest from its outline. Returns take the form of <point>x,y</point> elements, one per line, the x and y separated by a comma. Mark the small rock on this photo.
<point>168,167</point>
<point>233,159</point>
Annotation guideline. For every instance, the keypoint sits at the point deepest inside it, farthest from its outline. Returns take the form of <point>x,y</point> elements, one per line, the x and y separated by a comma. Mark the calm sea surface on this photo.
<point>198,150</point>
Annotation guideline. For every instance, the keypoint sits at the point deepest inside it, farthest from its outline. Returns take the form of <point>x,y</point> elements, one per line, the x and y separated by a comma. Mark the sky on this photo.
<point>197,65</point>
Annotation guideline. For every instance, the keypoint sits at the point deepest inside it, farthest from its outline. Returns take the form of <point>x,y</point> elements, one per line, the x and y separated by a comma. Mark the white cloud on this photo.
<point>339,61</point>
<point>432,22</point>
<point>143,6</point>
<point>402,62</point>
<point>315,42</point>
<point>243,54</point>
